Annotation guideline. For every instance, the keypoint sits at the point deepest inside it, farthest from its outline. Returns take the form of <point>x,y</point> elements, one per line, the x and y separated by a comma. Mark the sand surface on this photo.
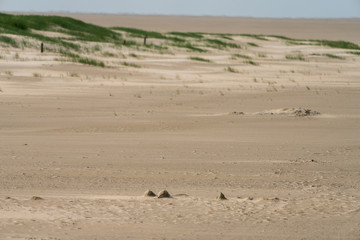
<point>89,141</point>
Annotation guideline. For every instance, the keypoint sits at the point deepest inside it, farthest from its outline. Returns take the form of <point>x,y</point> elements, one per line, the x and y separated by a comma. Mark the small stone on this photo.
<point>164,194</point>
<point>35,198</point>
<point>221,197</point>
<point>149,193</point>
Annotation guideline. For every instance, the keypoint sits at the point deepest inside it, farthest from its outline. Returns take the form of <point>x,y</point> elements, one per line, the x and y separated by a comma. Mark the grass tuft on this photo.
<point>236,55</point>
<point>251,62</point>
<point>333,56</point>
<point>200,59</point>
<point>252,44</point>
<point>230,69</point>
<point>9,41</point>
<point>354,53</point>
<point>299,57</point>
<point>127,64</point>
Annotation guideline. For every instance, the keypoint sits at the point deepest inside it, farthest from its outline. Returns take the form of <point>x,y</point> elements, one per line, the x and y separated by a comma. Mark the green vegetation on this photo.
<point>134,55</point>
<point>190,47</point>
<point>354,53</point>
<point>299,57</point>
<point>236,55</point>
<point>252,44</point>
<point>139,33</point>
<point>230,69</point>
<point>127,64</point>
<point>134,32</point>
<point>338,44</point>
<point>333,56</point>
<point>73,74</point>
<point>108,54</point>
<point>251,62</point>
<point>222,44</point>
<point>9,41</point>
<point>84,60</point>
<point>37,75</point>
<point>282,37</point>
<point>23,24</point>
<point>200,59</point>
<point>89,61</point>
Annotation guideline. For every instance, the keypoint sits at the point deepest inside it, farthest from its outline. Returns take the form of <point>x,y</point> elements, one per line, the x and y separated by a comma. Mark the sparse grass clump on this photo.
<point>338,44</point>
<point>89,61</point>
<point>252,44</point>
<point>236,55</point>
<point>221,44</point>
<point>333,56</point>
<point>37,75</point>
<point>127,64</point>
<point>230,69</point>
<point>9,41</point>
<point>139,33</point>
<point>73,75</point>
<point>354,53</point>
<point>79,59</point>
<point>200,59</point>
<point>190,47</point>
<point>134,55</point>
<point>251,63</point>
<point>299,57</point>
<point>108,54</point>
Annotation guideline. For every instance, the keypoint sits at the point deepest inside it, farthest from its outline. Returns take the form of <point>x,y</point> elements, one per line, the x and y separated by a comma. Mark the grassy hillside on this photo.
<point>74,39</point>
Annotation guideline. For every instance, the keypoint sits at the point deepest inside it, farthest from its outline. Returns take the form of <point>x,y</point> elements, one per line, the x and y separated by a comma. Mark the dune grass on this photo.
<point>237,55</point>
<point>190,47</point>
<point>329,55</point>
<point>298,56</point>
<point>200,59</point>
<point>127,64</point>
<point>251,62</point>
<point>230,69</point>
<point>252,44</point>
<point>222,44</point>
<point>9,41</point>
<point>22,25</point>
<point>354,53</point>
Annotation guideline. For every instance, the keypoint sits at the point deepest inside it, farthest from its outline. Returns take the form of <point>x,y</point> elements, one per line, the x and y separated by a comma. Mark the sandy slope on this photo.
<point>330,29</point>
<point>90,141</point>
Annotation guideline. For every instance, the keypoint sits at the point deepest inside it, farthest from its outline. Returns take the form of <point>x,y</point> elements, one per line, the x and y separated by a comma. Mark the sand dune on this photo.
<point>81,144</point>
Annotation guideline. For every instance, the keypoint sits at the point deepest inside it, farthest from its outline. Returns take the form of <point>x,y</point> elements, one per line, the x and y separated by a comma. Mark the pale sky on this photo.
<point>244,8</point>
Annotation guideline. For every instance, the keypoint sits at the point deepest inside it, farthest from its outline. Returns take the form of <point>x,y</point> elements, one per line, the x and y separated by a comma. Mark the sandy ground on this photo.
<point>89,141</point>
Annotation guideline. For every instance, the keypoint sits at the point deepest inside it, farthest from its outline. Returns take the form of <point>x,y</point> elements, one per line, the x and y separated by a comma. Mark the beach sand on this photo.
<point>89,141</point>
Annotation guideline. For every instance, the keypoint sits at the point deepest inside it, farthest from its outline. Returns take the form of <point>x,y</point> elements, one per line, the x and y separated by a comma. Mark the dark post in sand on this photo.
<point>145,39</point>
<point>42,47</point>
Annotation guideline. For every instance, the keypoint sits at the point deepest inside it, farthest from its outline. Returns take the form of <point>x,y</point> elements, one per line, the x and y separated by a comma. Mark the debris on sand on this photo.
<point>300,112</point>
<point>35,198</point>
<point>149,193</point>
<point>164,194</point>
<point>238,113</point>
<point>294,112</point>
<point>221,197</point>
